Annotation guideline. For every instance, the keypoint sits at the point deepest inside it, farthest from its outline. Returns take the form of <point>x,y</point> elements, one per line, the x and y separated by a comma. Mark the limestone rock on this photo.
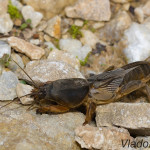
<point>17,3</point>
<point>121,1</point>
<point>97,10</point>
<point>13,66</point>
<point>102,138</point>
<point>78,22</point>
<point>89,38</point>
<point>3,6</point>
<point>49,8</point>
<point>132,116</point>
<point>35,41</point>
<point>59,55</point>
<point>47,70</point>
<point>42,25</point>
<point>50,46</point>
<point>5,49</point>
<point>142,143</point>
<point>8,83</point>
<point>113,30</point>
<point>75,47</point>
<point>32,51</point>
<point>143,11</point>
<point>6,23</point>
<point>136,42</point>
<point>98,25</point>
<point>54,27</point>
<point>29,13</point>
<point>25,130</point>
<point>23,89</point>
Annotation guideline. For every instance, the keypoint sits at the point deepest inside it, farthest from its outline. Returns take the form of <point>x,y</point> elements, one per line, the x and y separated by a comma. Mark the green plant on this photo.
<point>85,22</point>
<point>93,30</point>
<point>23,82</point>
<point>13,11</point>
<point>75,31</point>
<point>83,62</point>
<point>51,49</point>
<point>26,24</point>
<point>56,42</point>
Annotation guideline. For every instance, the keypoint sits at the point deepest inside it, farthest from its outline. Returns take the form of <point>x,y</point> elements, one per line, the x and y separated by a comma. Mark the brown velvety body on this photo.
<point>65,92</point>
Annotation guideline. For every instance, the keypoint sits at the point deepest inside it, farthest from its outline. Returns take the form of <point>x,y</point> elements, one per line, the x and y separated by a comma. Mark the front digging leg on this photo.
<point>52,109</point>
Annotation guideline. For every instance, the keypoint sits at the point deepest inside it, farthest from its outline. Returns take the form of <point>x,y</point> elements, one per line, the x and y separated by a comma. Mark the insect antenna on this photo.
<point>25,73</point>
<point>15,99</point>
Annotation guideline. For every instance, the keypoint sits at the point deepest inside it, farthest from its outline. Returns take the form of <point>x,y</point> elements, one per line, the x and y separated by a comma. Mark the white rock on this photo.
<point>22,90</point>
<point>102,138</point>
<point>35,41</point>
<point>74,47</point>
<point>5,49</point>
<point>139,14</point>
<point>89,38</point>
<point>8,83</point>
<point>13,66</point>
<point>121,1</point>
<point>17,4</point>
<point>114,29</point>
<point>138,42</point>
<point>143,11</point>
<point>132,116</point>
<point>49,8</point>
<point>6,23</point>
<point>25,130</point>
<point>42,25</point>
<point>54,27</point>
<point>47,70</point>
<point>59,55</point>
<point>29,13</point>
<point>78,23</point>
<point>50,45</point>
<point>98,25</point>
<point>32,51</point>
<point>97,10</point>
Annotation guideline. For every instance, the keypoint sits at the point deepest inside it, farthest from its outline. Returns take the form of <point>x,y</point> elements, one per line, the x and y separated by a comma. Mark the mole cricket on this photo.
<point>104,88</point>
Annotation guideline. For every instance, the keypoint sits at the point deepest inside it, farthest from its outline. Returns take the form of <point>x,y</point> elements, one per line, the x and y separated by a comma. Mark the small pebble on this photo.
<point>75,47</point>
<point>23,89</point>
<point>78,23</point>
<point>29,13</point>
<point>32,51</point>
<point>6,23</point>
<point>54,27</point>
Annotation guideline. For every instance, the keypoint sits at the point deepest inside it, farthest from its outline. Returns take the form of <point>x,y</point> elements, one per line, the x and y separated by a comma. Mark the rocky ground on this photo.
<point>61,39</point>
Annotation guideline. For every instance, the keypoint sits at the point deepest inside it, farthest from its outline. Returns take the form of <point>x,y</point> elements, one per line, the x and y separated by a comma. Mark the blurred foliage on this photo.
<point>75,31</point>
<point>13,11</point>
<point>84,62</point>
<point>5,60</point>
<point>26,24</point>
<point>23,82</point>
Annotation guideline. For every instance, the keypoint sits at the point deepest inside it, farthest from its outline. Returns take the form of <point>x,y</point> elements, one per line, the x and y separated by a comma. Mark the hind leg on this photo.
<point>90,110</point>
<point>52,109</point>
<point>148,92</point>
<point>130,87</point>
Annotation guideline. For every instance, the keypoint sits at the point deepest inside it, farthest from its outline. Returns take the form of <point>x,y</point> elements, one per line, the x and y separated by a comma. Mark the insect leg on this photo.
<point>53,109</point>
<point>109,68</point>
<point>130,87</point>
<point>148,92</point>
<point>89,112</point>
